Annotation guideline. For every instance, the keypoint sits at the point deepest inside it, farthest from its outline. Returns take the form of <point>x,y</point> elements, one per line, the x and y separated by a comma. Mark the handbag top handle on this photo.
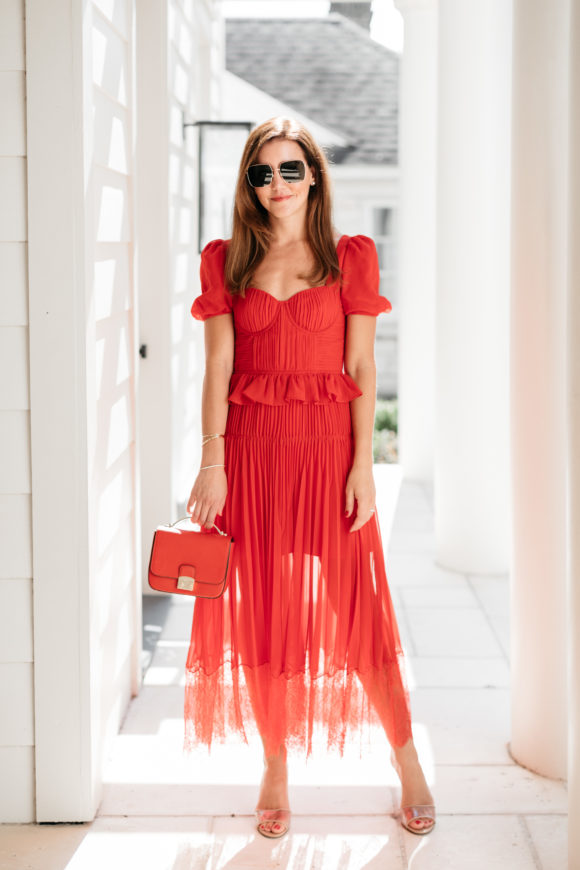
<point>196,523</point>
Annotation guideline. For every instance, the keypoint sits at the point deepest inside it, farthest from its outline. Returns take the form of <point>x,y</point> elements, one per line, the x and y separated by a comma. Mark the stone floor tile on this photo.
<point>151,708</point>
<point>550,840</point>
<point>493,591</point>
<point>210,799</point>
<point>498,789</point>
<point>493,595</point>
<point>39,847</point>
<point>179,619</point>
<point>419,569</point>
<point>167,666</point>
<point>466,726</point>
<point>453,672</point>
<point>411,541</point>
<point>459,631</point>
<point>115,844</point>
<point>404,631</point>
<point>315,842</point>
<point>474,842</point>
<point>432,596</point>
<point>174,799</point>
<point>411,521</point>
<point>500,625</point>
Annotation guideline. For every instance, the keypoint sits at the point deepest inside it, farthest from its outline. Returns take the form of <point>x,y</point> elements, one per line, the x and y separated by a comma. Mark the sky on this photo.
<point>386,23</point>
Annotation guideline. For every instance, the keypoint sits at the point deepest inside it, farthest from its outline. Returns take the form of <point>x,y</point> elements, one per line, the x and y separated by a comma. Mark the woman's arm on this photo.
<point>359,363</point>
<point>209,491</point>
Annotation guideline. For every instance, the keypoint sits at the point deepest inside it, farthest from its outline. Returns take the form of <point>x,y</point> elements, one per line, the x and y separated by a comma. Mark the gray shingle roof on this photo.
<point>328,69</point>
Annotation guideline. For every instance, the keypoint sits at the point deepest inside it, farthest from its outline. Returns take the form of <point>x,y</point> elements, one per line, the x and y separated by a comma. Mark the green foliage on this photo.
<point>386,414</point>
<point>385,431</point>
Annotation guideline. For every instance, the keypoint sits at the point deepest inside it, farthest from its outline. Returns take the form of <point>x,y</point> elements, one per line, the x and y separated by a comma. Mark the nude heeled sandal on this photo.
<point>414,812</point>
<point>417,811</point>
<point>280,817</point>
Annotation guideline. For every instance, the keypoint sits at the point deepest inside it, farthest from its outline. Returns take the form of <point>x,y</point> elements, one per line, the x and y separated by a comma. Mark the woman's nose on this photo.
<point>277,179</point>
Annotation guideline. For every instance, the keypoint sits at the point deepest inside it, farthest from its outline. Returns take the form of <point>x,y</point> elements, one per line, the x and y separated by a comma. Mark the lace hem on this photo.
<point>245,700</point>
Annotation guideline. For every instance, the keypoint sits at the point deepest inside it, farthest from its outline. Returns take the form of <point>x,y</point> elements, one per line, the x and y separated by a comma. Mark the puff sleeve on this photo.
<point>360,279</point>
<point>214,298</point>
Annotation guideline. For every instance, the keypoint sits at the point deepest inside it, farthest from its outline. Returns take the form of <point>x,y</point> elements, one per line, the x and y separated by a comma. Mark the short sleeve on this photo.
<point>214,298</point>
<point>361,278</point>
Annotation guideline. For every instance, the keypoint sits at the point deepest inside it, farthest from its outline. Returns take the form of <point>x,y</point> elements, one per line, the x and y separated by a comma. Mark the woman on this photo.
<point>305,634</point>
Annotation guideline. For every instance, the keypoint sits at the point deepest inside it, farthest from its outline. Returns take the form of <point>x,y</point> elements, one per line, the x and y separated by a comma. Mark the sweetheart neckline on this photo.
<point>304,289</point>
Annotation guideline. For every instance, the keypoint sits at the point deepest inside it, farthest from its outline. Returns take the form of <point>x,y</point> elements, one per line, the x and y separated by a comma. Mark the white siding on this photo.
<point>16,677</point>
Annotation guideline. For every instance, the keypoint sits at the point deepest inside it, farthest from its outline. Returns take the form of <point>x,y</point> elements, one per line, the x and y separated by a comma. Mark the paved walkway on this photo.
<point>163,810</point>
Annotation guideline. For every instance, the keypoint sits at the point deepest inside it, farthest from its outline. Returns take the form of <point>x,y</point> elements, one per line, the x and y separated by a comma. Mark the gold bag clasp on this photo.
<point>184,581</point>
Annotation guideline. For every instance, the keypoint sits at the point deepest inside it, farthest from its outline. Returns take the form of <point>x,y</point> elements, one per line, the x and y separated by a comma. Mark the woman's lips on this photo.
<point>280,198</point>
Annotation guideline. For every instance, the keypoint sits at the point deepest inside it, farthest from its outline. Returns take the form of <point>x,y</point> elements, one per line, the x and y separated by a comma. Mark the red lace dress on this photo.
<point>305,635</point>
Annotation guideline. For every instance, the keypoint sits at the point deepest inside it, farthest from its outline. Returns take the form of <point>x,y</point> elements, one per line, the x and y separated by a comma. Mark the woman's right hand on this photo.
<point>208,496</point>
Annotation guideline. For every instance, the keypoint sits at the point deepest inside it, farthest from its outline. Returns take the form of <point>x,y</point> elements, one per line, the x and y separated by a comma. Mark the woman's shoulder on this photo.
<point>360,241</point>
<point>213,255</point>
<point>215,245</point>
<point>356,245</point>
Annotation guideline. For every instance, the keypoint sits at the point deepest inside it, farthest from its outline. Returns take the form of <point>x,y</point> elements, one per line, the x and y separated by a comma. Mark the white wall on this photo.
<point>73,508</point>
<point>112,361</point>
<point>16,638</point>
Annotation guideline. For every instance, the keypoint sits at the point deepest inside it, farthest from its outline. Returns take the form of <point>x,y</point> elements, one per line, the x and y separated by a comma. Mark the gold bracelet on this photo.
<point>219,465</point>
<point>206,438</point>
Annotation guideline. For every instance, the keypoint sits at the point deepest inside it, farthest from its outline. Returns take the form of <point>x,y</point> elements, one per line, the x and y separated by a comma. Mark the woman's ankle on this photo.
<point>406,754</point>
<point>279,759</point>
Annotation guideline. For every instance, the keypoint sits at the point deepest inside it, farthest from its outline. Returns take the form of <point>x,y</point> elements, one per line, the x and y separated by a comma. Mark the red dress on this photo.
<point>305,635</point>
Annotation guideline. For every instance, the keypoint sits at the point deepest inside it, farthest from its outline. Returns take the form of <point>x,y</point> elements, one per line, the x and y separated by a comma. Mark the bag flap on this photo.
<point>206,551</point>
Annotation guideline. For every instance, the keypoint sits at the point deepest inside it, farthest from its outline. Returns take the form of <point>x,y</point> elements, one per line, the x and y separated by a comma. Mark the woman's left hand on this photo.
<point>360,485</point>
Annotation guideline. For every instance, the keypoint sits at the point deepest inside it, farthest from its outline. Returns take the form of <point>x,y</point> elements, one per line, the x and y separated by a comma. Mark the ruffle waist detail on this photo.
<point>279,388</point>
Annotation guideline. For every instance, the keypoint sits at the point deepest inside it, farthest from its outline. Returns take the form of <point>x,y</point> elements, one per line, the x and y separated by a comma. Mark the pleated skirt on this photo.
<point>304,640</point>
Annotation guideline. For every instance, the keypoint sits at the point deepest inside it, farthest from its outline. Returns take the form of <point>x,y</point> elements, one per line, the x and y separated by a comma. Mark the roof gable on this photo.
<point>330,70</point>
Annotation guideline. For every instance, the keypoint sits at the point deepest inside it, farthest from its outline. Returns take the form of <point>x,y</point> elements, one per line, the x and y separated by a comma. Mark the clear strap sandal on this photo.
<point>415,812</point>
<point>279,818</point>
<point>425,812</point>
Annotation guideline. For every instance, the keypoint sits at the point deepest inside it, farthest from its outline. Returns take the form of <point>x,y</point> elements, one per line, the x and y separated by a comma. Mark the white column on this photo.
<point>471,317</point>
<point>416,251</point>
<point>538,436</point>
<point>65,778</point>
<point>574,445</point>
<point>86,601</point>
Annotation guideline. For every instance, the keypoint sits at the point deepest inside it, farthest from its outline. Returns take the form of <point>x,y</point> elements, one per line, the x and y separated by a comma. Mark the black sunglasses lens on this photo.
<point>259,174</point>
<point>292,170</point>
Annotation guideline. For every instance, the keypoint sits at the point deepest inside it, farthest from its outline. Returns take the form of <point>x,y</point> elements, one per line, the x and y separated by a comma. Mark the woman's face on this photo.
<point>281,198</point>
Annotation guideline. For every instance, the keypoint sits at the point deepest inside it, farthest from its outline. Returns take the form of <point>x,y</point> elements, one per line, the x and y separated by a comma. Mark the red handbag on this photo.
<point>189,562</point>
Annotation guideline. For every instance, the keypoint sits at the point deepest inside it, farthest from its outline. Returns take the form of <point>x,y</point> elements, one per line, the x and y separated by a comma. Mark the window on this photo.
<point>384,237</point>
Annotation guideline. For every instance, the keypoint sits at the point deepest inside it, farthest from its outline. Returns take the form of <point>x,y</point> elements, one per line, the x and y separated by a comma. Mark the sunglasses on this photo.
<point>261,174</point>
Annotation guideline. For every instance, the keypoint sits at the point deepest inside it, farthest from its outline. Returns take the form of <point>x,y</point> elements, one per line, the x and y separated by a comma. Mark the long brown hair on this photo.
<point>251,232</point>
